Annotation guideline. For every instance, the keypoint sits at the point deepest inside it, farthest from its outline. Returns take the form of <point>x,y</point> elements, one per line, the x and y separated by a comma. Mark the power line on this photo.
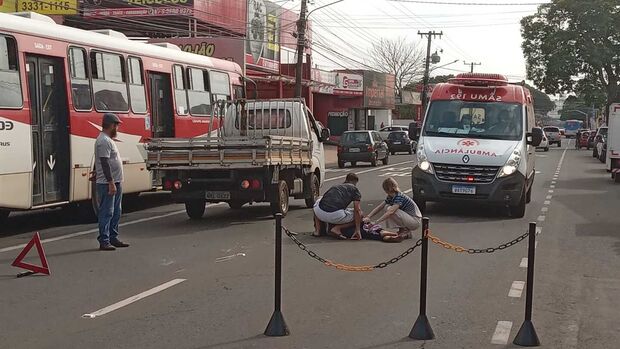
<point>433,2</point>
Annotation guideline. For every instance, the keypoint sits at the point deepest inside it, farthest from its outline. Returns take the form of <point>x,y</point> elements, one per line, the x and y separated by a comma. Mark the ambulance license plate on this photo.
<point>354,150</point>
<point>464,189</point>
<point>218,195</point>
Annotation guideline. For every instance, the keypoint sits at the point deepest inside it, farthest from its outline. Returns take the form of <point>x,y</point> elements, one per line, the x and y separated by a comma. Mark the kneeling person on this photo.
<point>400,210</point>
<point>333,209</point>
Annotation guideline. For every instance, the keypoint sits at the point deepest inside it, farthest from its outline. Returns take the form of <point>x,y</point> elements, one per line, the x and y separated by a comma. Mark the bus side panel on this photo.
<point>17,164</point>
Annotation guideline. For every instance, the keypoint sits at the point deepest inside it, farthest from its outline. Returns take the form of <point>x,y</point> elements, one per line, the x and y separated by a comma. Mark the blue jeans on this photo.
<point>109,212</point>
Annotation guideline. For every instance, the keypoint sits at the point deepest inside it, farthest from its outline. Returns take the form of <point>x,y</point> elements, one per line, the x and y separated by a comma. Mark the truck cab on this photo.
<point>477,144</point>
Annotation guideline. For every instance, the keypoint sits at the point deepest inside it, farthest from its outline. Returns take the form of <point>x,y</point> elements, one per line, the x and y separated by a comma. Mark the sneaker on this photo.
<point>118,243</point>
<point>106,247</point>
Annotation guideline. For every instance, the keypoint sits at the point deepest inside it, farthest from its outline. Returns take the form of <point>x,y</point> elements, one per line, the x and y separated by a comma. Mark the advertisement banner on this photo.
<point>378,90</point>
<point>7,6</point>
<point>47,7</point>
<point>263,35</point>
<point>230,49</point>
<point>349,84</point>
<point>137,8</point>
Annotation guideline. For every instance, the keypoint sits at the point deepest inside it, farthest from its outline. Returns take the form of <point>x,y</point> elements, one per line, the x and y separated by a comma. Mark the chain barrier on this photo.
<point>461,249</point>
<point>346,267</point>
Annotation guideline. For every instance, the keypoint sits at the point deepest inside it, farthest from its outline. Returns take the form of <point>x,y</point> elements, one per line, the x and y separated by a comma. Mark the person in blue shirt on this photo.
<point>401,212</point>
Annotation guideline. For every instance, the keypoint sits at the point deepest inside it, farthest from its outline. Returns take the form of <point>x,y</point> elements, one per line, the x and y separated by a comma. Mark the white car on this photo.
<point>385,132</point>
<point>545,143</point>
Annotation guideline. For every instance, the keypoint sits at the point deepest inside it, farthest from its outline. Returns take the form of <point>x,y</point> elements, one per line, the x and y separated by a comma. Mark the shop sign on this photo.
<point>222,48</point>
<point>137,8</point>
<point>338,114</point>
<point>349,84</point>
<point>378,90</point>
<point>44,7</point>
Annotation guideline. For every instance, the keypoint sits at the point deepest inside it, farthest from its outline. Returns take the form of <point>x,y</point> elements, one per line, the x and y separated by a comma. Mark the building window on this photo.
<point>108,75</point>
<point>199,95</point>
<point>180,93</point>
<point>137,94</point>
<point>11,95</point>
<point>80,83</point>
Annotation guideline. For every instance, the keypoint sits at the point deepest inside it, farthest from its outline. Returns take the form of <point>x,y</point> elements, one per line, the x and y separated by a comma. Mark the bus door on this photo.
<point>50,132</point>
<point>162,110</point>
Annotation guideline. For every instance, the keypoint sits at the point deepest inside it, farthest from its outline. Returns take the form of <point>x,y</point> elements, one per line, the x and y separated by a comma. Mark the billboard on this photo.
<point>230,49</point>
<point>378,90</point>
<point>337,83</point>
<point>263,35</point>
<point>137,8</point>
<point>44,7</point>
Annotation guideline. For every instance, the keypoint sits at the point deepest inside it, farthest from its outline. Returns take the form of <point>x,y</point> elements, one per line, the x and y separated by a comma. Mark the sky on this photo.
<point>344,32</point>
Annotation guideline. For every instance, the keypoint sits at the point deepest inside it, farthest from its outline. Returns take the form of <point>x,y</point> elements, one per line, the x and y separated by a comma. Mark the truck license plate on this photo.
<point>397,142</point>
<point>464,189</point>
<point>218,195</point>
<point>354,150</point>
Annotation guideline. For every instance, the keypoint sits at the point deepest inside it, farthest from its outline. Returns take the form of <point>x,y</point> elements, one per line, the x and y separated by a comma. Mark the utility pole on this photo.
<point>472,64</point>
<point>301,45</point>
<point>430,35</point>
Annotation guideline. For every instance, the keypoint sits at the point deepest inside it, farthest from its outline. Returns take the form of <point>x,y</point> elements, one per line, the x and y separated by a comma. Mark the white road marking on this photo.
<point>132,299</point>
<point>516,289</point>
<point>538,172</point>
<point>538,230</point>
<point>544,209</point>
<point>536,244</point>
<point>547,202</point>
<point>227,258</point>
<point>407,191</point>
<point>523,263</point>
<point>365,171</point>
<point>542,218</point>
<point>551,191</point>
<point>554,182</point>
<point>552,186</point>
<point>502,332</point>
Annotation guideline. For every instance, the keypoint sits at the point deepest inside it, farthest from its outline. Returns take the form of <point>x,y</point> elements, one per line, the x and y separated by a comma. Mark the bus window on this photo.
<point>220,85</point>
<point>109,82</point>
<point>80,86</point>
<point>137,95</point>
<point>11,96</point>
<point>198,94</point>
<point>180,95</point>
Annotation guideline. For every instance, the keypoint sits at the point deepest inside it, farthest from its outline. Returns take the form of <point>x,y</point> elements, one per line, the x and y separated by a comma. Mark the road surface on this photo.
<point>209,283</point>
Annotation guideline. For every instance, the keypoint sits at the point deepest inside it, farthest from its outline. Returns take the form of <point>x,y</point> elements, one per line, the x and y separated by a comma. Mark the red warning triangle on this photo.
<point>18,262</point>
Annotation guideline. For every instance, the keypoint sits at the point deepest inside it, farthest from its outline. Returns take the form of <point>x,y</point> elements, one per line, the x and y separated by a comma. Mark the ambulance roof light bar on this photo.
<point>479,79</point>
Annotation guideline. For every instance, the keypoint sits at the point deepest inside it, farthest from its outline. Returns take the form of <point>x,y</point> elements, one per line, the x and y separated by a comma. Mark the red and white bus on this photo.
<point>55,84</point>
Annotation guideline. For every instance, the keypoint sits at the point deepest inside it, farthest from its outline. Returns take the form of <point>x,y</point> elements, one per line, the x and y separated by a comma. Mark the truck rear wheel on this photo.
<point>195,209</point>
<point>311,189</point>
<point>279,198</point>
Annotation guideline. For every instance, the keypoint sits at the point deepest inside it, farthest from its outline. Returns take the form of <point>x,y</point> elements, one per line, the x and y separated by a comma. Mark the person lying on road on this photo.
<point>333,209</point>
<point>400,210</point>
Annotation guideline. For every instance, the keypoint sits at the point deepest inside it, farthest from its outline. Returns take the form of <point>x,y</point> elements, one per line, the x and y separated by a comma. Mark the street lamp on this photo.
<point>445,65</point>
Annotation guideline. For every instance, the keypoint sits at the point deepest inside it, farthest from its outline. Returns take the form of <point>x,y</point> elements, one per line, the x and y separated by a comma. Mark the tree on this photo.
<point>574,108</point>
<point>572,43</point>
<point>542,102</point>
<point>399,57</point>
<point>440,78</point>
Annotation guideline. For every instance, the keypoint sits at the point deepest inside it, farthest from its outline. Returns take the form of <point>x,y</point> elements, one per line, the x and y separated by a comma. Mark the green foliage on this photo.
<point>440,78</point>
<point>573,109</point>
<point>574,45</point>
<point>542,103</point>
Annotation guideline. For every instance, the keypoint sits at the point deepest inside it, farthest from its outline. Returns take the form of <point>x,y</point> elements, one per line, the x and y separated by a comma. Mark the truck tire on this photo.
<point>279,198</point>
<point>386,160</point>
<point>311,190</point>
<point>518,210</point>
<point>340,164</point>
<point>195,209</point>
<point>236,205</point>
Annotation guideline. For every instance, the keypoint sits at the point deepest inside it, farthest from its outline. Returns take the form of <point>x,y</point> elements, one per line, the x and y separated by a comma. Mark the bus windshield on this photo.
<point>573,125</point>
<point>488,120</point>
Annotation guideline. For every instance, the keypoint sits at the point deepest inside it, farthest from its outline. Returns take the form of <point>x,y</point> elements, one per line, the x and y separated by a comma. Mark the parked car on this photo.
<point>385,132</point>
<point>399,141</point>
<point>591,142</point>
<point>553,134</point>
<point>602,132</point>
<point>544,144</point>
<point>362,146</point>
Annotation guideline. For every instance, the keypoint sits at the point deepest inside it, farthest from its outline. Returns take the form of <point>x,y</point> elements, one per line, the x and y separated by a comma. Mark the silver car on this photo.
<point>553,135</point>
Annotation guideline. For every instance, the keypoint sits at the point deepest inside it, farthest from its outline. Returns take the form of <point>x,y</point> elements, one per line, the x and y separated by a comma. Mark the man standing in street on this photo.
<point>333,209</point>
<point>109,176</point>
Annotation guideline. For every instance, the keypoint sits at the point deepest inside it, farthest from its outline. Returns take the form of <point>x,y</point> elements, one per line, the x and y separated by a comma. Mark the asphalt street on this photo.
<point>209,283</point>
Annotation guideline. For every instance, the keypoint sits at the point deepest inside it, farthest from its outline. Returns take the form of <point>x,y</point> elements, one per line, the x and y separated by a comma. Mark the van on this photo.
<point>477,144</point>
